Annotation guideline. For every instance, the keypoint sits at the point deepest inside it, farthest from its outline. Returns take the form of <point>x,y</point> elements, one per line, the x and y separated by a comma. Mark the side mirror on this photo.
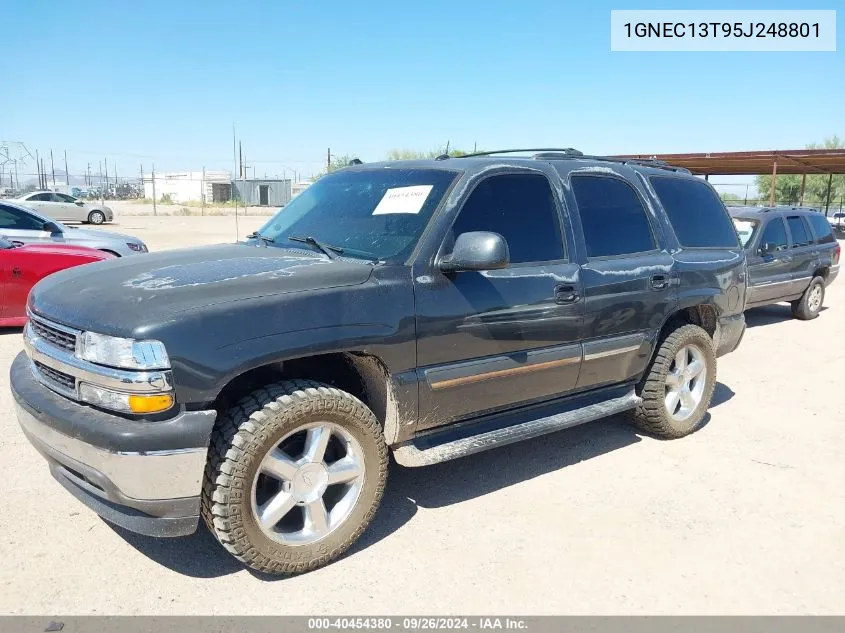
<point>52,227</point>
<point>79,203</point>
<point>477,250</point>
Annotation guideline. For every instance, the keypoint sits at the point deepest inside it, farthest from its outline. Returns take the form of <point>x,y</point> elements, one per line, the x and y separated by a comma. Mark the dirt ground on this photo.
<point>747,516</point>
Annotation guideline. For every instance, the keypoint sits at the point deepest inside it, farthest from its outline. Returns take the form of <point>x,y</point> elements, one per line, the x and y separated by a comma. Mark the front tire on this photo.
<point>96,217</point>
<point>810,303</point>
<point>295,473</point>
<point>678,385</point>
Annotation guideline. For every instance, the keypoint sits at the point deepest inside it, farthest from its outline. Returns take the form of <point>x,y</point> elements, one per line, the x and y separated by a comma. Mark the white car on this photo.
<point>66,208</point>
<point>837,221</point>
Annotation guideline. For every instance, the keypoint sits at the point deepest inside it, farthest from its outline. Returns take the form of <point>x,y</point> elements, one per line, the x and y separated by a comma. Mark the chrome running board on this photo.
<point>412,455</point>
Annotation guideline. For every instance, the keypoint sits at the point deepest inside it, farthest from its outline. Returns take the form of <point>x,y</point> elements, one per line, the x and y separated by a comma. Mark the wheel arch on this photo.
<point>363,375</point>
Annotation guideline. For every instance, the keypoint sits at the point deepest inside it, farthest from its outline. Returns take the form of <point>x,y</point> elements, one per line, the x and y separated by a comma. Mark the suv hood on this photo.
<point>129,294</point>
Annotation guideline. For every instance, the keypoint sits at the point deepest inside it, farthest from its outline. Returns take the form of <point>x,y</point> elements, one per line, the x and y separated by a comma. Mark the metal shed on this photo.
<point>262,192</point>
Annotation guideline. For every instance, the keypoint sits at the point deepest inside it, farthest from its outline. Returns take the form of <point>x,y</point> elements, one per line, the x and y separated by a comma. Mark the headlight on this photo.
<point>138,248</point>
<point>125,353</point>
<point>125,402</point>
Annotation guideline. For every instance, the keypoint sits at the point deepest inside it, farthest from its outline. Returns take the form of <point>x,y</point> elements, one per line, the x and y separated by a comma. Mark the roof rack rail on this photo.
<point>564,151</point>
<point>558,153</point>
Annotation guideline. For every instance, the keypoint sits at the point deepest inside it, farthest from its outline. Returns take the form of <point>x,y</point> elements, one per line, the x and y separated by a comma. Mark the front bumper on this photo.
<point>135,479</point>
<point>729,333</point>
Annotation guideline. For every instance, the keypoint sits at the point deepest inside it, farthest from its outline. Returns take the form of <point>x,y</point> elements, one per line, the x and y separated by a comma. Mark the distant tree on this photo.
<point>788,186</point>
<point>412,154</point>
<point>729,198</point>
<point>338,162</point>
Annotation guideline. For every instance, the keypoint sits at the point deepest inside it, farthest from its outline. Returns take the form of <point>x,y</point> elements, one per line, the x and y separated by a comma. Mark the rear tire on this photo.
<point>96,217</point>
<point>810,303</point>
<point>282,514</point>
<point>675,396</point>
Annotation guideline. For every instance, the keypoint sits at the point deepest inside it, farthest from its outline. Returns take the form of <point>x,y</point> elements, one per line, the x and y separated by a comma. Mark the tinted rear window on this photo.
<point>696,213</point>
<point>821,227</point>
<point>800,237</point>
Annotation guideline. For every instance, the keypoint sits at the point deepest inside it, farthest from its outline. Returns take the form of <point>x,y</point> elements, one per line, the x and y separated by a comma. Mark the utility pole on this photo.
<point>67,176</point>
<point>143,188</point>
<point>328,160</point>
<point>52,168</point>
<point>154,189</point>
<point>232,186</point>
<point>43,174</point>
<point>202,191</point>
<point>240,160</point>
<point>88,175</point>
<point>102,200</point>
<point>106,162</point>
<point>38,167</point>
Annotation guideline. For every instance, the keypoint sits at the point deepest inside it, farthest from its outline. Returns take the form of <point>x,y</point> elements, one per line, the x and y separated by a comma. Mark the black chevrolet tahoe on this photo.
<point>429,309</point>
<point>792,256</point>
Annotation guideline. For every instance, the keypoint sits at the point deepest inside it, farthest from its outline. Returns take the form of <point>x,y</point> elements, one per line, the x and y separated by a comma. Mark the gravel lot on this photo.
<point>747,516</point>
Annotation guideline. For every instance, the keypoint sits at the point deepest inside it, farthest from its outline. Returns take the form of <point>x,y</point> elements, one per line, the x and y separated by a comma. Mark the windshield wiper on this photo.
<point>327,249</point>
<point>264,238</point>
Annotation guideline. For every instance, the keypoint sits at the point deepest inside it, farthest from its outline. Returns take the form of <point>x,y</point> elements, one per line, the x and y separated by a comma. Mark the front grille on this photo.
<point>55,378</point>
<point>56,336</point>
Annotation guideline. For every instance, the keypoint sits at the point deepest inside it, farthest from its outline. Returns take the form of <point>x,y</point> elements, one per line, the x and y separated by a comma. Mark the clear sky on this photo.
<point>164,81</point>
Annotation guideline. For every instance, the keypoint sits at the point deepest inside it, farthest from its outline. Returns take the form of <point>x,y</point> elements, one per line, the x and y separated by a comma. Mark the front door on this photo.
<point>21,227</point>
<point>263,195</point>
<point>769,264</point>
<point>629,282</point>
<point>497,339</point>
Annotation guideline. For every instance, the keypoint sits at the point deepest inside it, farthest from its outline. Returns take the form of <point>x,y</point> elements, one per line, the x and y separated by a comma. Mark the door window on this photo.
<point>41,197</point>
<point>612,216</point>
<point>800,236</point>
<point>520,208</point>
<point>775,235</point>
<point>11,218</point>
<point>61,197</point>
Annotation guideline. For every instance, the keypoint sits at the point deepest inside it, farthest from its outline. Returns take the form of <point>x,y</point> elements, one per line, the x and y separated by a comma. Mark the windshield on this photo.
<point>370,213</point>
<point>745,229</point>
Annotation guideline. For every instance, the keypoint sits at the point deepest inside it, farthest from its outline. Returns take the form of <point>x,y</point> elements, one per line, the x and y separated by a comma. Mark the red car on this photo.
<point>21,267</point>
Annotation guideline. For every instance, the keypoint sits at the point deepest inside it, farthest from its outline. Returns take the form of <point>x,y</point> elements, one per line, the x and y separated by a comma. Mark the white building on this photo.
<point>182,186</point>
<point>298,187</point>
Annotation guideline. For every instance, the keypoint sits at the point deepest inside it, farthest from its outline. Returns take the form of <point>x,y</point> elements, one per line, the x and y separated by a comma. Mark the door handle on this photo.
<point>659,282</point>
<point>16,272</point>
<point>566,294</point>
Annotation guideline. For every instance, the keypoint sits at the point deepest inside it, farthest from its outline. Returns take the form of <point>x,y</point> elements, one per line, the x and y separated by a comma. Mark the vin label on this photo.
<point>723,30</point>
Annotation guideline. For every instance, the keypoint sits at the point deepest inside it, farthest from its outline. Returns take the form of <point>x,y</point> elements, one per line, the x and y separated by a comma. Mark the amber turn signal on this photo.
<point>150,404</point>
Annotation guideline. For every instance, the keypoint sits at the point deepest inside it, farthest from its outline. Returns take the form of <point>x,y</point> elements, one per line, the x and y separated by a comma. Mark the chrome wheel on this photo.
<point>96,217</point>
<point>685,382</point>
<point>814,301</point>
<point>308,484</point>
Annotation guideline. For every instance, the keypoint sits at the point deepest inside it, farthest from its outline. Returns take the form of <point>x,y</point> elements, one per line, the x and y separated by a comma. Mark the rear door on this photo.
<point>628,279</point>
<point>769,263</point>
<point>806,258</point>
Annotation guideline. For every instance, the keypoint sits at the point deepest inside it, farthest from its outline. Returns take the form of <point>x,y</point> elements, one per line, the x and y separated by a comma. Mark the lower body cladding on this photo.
<point>152,490</point>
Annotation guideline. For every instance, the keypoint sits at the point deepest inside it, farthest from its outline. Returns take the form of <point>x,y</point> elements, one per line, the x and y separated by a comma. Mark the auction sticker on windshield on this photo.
<point>403,200</point>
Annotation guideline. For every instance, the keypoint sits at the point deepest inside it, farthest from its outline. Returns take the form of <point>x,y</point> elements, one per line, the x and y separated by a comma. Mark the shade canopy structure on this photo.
<point>774,162</point>
<point>782,161</point>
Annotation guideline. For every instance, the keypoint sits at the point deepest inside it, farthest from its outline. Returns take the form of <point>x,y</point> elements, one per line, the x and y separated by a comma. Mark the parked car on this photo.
<point>25,226</point>
<point>792,256</point>
<point>66,208</point>
<point>430,308</point>
<point>837,221</point>
<point>22,266</point>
